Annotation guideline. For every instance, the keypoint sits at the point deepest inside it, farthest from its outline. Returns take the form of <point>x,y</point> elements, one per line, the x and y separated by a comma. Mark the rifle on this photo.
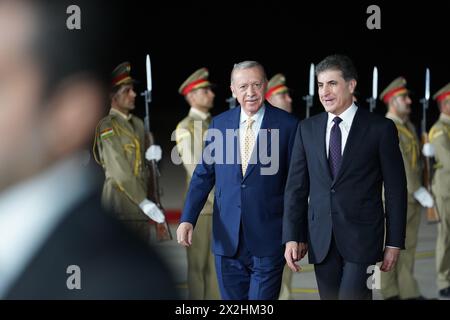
<point>310,97</point>
<point>153,192</point>
<point>432,213</point>
<point>373,99</point>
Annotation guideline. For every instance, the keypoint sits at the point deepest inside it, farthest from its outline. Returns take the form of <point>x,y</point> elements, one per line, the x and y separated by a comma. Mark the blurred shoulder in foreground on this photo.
<point>56,242</point>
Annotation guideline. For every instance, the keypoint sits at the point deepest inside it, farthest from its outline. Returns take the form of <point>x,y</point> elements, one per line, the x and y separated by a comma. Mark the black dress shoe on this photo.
<point>444,294</point>
<point>393,298</point>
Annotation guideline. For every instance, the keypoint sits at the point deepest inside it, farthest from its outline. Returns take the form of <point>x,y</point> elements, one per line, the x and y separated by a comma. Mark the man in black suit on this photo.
<point>341,159</point>
<point>55,240</point>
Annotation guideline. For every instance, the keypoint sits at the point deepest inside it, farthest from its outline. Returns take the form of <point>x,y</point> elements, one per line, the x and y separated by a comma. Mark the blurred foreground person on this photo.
<point>55,240</point>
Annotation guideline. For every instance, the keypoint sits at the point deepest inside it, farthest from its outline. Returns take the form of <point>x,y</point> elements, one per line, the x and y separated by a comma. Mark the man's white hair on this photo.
<point>247,65</point>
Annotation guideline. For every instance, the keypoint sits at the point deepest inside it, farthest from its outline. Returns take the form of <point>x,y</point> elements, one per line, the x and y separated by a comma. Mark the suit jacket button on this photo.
<point>333,191</point>
<point>243,186</point>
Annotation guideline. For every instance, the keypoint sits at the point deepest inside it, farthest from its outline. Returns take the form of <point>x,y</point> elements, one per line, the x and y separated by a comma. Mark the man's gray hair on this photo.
<point>248,65</point>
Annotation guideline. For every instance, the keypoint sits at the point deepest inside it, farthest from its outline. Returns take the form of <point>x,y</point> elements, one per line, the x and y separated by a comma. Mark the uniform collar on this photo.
<point>395,118</point>
<point>117,112</point>
<point>201,114</point>
<point>445,118</point>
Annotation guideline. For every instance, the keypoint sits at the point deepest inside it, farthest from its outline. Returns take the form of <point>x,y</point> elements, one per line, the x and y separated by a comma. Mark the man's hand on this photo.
<point>390,259</point>
<point>303,249</point>
<point>184,234</point>
<point>154,152</point>
<point>295,251</point>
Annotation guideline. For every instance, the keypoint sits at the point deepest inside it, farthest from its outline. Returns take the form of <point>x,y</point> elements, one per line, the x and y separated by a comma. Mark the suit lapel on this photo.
<point>320,129</point>
<point>233,124</point>
<point>355,137</point>
<point>268,123</point>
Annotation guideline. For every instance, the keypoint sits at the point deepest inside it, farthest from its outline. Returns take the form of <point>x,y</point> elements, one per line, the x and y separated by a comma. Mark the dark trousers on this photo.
<point>247,277</point>
<point>341,279</point>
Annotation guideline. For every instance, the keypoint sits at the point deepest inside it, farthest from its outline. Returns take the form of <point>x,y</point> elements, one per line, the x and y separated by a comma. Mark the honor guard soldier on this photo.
<point>278,93</point>
<point>439,138</point>
<point>119,149</point>
<point>202,280</point>
<point>400,283</point>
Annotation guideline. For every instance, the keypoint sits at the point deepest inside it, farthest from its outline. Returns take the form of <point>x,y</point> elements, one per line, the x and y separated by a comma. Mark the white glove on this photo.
<point>154,152</point>
<point>428,150</point>
<point>152,211</point>
<point>424,197</point>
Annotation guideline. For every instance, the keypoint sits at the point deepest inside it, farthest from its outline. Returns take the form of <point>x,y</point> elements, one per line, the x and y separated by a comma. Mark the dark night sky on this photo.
<point>284,38</point>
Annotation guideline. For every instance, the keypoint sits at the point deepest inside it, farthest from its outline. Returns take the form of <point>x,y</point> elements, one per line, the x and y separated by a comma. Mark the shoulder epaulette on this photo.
<point>435,132</point>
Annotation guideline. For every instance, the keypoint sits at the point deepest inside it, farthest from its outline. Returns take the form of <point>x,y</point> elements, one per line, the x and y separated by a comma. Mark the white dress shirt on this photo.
<point>258,117</point>
<point>347,119</point>
<point>31,210</point>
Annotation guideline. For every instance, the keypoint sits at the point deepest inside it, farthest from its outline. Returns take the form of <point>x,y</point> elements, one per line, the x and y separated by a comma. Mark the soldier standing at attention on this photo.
<point>440,140</point>
<point>119,149</point>
<point>278,96</point>
<point>399,283</point>
<point>202,280</point>
<point>278,93</point>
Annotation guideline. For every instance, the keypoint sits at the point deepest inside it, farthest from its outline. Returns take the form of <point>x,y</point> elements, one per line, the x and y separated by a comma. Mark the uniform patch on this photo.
<point>109,132</point>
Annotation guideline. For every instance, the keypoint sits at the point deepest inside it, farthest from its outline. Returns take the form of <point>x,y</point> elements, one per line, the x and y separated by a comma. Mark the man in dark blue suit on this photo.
<point>341,159</point>
<point>246,158</point>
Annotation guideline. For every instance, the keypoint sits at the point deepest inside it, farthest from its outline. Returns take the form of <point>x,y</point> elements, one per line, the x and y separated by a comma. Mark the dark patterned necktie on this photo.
<point>335,151</point>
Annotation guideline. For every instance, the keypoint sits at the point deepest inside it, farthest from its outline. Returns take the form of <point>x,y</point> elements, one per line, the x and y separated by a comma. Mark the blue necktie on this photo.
<point>335,151</point>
